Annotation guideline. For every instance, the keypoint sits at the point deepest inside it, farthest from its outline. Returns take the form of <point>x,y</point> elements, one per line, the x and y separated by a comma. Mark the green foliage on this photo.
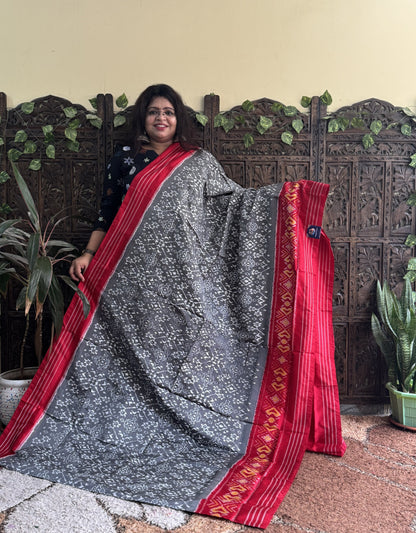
<point>394,330</point>
<point>201,118</point>
<point>29,255</point>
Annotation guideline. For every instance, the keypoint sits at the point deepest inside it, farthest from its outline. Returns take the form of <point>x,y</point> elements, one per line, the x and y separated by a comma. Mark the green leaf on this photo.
<point>94,120</point>
<point>56,300</point>
<point>297,125</point>
<point>248,140</point>
<point>343,123</point>
<point>358,123</point>
<point>85,303</point>
<point>333,125</point>
<point>201,118</point>
<point>306,101</point>
<point>326,98</point>
<point>119,120</point>
<point>367,140</point>
<point>228,124</point>
<point>73,146</point>
<point>376,126</point>
<point>28,107</point>
<point>240,119</point>
<point>264,124</point>
<point>406,129</point>
<point>93,102</point>
<point>411,265</point>
<point>122,101</point>
<point>290,111</point>
<point>408,112</point>
<point>35,164</point>
<point>4,176</point>
<point>47,129</point>
<point>277,107</point>
<point>50,151</point>
<point>70,112</point>
<point>20,137</point>
<point>32,252</point>
<point>412,199</point>
<point>412,161</point>
<point>14,154</point>
<point>71,134</point>
<point>247,106</point>
<point>218,119</point>
<point>44,264</point>
<point>411,276</point>
<point>30,147</point>
<point>27,198</point>
<point>74,124</point>
<point>410,240</point>
<point>287,137</point>
<point>1,141</point>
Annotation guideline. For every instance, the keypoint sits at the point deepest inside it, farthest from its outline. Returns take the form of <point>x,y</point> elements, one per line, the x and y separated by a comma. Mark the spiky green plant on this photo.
<point>29,255</point>
<point>395,334</point>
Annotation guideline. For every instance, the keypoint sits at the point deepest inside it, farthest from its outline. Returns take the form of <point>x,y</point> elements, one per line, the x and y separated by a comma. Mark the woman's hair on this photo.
<point>184,133</point>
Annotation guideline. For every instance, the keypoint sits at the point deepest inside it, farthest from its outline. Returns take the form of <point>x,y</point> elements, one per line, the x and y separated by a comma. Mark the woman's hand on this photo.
<point>79,266</point>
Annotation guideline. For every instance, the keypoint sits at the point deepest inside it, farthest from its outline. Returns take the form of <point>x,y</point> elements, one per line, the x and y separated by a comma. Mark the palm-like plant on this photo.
<point>29,255</point>
<point>395,334</point>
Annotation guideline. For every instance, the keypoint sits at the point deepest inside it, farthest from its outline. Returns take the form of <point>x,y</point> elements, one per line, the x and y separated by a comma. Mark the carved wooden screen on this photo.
<point>366,216</point>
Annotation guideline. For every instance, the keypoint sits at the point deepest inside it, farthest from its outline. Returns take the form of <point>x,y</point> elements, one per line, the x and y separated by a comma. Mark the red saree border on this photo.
<point>255,486</point>
<point>55,365</point>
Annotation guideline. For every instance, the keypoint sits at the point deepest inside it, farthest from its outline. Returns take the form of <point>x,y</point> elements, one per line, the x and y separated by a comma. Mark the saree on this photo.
<point>205,368</point>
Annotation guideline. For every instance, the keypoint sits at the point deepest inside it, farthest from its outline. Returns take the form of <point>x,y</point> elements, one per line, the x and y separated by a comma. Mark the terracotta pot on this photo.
<point>12,388</point>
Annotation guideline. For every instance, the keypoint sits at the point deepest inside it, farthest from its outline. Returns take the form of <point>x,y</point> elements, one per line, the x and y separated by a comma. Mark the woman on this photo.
<point>159,119</point>
<point>192,381</point>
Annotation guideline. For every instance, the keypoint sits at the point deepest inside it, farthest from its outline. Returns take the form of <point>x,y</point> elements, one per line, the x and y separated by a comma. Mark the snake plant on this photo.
<point>395,333</point>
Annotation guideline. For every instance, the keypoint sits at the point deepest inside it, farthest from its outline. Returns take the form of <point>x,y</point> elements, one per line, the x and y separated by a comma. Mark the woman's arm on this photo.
<point>80,264</point>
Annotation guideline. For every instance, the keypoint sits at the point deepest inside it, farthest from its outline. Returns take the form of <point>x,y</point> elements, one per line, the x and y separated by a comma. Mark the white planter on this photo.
<point>12,388</point>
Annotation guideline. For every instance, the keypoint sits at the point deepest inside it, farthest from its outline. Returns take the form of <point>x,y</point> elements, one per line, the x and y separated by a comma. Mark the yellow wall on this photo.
<point>239,49</point>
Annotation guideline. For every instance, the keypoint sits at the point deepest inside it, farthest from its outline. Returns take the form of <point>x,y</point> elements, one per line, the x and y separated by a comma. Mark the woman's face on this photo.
<point>160,123</point>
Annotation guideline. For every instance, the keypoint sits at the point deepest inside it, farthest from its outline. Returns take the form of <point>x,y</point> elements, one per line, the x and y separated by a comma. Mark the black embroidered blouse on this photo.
<point>120,173</point>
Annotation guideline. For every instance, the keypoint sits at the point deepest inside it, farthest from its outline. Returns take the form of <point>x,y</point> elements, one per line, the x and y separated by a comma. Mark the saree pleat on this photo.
<point>213,305</point>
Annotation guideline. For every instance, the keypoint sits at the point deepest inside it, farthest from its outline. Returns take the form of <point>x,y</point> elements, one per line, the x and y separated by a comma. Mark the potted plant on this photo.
<point>29,255</point>
<point>394,330</point>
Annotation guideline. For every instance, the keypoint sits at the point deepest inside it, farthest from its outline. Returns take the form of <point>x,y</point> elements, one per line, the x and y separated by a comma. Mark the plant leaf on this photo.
<point>264,124</point>
<point>358,123</point>
<point>50,151</point>
<point>248,140</point>
<point>290,111</point>
<point>27,198</point>
<point>412,199</point>
<point>95,120</point>
<point>44,264</point>
<point>201,118</point>
<point>306,101</point>
<point>410,240</point>
<point>119,120</point>
<point>297,125</point>
<point>122,101</point>
<point>326,98</point>
<point>406,129</point>
<point>13,154</point>
<point>71,134</point>
<point>20,137</point>
<point>277,107</point>
<point>4,176</point>
<point>48,128</point>
<point>412,161</point>
<point>333,125</point>
<point>85,303</point>
<point>93,102</point>
<point>218,119</point>
<point>1,141</point>
<point>56,301</point>
<point>30,147</point>
<point>247,106</point>
<point>32,252</point>
<point>376,126</point>
<point>70,112</point>
<point>287,137</point>
<point>35,164</point>
<point>367,140</point>
<point>227,124</point>
<point>28,107</point>
<point>72,145</point>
